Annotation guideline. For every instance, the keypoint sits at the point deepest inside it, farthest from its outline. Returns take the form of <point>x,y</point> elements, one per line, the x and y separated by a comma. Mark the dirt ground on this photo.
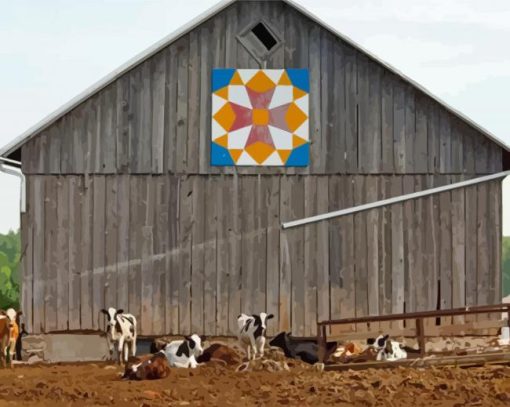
<point>100,384</point>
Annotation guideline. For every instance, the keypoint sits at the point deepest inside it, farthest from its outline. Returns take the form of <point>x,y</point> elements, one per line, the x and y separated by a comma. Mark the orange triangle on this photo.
<point>285,80</point>
<point>235,154</point>
<point>223,92</point>
<point>298,93</point>
<point>236,79</point>
<point>284,155</point>
<point>259,151</point>
<point>222,141</point>
<point>297,141</point>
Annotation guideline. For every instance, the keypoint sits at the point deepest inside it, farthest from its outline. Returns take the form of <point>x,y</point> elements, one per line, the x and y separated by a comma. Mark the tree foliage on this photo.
<point>10,283</point>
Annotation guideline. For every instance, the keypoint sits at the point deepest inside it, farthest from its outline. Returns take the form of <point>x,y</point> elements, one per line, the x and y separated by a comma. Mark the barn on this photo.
<point>163,188</point>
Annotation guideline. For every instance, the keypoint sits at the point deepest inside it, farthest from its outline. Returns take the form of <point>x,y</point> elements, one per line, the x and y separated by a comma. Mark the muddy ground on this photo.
<point>100,384</point>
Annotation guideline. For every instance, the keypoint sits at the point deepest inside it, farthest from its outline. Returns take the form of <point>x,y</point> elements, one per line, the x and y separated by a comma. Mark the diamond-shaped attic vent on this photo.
<point>260,40</point>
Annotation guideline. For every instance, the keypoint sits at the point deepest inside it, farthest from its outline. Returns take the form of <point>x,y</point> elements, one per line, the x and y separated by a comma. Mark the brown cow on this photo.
<point>5,334</point>
<point>147,367</point>
<point>217,352</point>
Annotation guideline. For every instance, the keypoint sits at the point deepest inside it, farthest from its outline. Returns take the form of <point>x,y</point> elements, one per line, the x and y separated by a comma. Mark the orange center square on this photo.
<point>260,117</point>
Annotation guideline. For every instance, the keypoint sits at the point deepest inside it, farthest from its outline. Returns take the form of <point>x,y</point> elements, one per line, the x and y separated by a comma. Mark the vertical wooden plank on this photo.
<point>87,196</point>
<point>94,126</point>
<point>259,247</point>
<point>374,127</point>
<point>147,195</point>
<point>496,233</point>
<point>158,92</point>
<point>445,137</point>
<point>372,236</point>
<point>62,253</point>
<point>285,254</point>
<point>323,290</point>
<point>351,112</point>
<point>311,255</point>
<point>181,155</point>
<point>38,201</point>
<point>160,249</point>
<point>75,247</point>
<point>40,146</point>
<point>360,244</point>
<point>399,127</point>
<point>50,254</point>
<point>337,160</point>
<point>385,267</point>
<point>52,153</point>
<point>410,128</point>
<point>145,121</point>
<point>365,153</point>
<point>458,251</point>
<point>98,248</point>
<point>235,250</point>
<point>173,274</point>
<point>123,233</point>
<point>495,160</point>
<point>201,244</point>
<point>171,79</point>
<point>136,219</point>
<point>108,145</point>
<point>387,153</point>
<point>483,250</point>
<point>316,136</point>
<point>123,123</point>
<point>111,236</point>
<point>79,135</point>
<point>433,138</point>
<point>193,103</point>
<point>204,135</point>
<point>66,146</point>
<point>420,155</point>
<point>481,154</point>
<point>419,289</point>
<point>432,235</point>
<point>468,146</point>
<point>273,252</point>
<point>185,242</point>
<point>326,106</point>
<point>248,202</point>
<point>134,126</point>
<point>397,251</point>
<point>26,264</point>
<point>446,254</point>
<point>223,224</point>
<point>471,233</point>
<point>457,143</point>
<point>410,246</point>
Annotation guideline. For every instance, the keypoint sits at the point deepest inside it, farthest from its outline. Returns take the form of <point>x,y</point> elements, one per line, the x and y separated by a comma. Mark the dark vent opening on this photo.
<point>264,36</point>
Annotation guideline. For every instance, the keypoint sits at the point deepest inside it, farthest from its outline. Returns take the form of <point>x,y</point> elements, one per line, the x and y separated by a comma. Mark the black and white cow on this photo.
<point>120,331</point>
<point>184,353</point>
<point>387,349</point>
<point>306,350</point>
<point>252,331</point>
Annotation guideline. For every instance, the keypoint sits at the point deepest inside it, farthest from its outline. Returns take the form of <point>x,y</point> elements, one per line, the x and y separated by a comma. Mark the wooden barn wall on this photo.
<point>155,119</point>
<point>189,253</point>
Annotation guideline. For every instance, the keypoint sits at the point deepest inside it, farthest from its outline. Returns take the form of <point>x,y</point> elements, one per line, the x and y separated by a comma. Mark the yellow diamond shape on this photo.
<point>259,151</point>
<point>260,83</point>
<point>294,117</point>
<point>225,117</point>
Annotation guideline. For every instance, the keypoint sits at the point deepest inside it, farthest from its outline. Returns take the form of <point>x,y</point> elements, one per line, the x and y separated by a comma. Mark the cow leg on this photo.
<point>133,346</point>
<point>12,350</point>
<point>126,351</point>
<point>253,346</point>
<point>121,350</point>
<point>110,347</point>
<point>261,341</point>
<point>248,353</point>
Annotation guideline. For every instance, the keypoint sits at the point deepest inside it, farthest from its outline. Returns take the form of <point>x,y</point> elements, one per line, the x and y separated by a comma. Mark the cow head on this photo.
<point>111,315</point>
<point>379,342</point>
<point>195,344</point>
<point>13,316</point>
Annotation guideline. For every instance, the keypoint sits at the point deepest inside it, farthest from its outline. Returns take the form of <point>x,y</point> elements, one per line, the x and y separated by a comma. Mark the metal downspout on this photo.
<point>17,173</point>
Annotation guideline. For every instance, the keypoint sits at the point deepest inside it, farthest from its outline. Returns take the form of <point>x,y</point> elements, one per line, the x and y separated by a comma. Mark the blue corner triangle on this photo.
<point>221,77</point>
<point>299,157</point>
<point>220,155</point>
<point>299,78</point>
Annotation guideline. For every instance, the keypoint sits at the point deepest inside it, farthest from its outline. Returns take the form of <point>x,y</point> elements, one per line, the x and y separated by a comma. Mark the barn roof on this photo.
<point>158,46</point>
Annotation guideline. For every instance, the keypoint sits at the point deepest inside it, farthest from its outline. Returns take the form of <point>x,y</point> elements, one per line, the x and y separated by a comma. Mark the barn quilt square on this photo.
<point>260,117</point>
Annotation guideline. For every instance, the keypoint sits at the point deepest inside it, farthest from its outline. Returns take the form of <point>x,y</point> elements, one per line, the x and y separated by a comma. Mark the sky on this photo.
<point>52,50</point>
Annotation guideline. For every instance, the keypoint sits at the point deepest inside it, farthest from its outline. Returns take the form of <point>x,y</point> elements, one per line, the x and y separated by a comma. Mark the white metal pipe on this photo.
<point>394,200</point>
<point>17,173</point>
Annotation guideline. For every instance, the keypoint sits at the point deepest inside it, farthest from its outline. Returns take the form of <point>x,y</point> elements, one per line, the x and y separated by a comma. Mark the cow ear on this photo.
<point>203,338</point>
<point>104,311</point>
<point>385,337</point>
<point>270,316</point>
<point>370,341</point>
<point>19,313</point>
<point>120,311</point>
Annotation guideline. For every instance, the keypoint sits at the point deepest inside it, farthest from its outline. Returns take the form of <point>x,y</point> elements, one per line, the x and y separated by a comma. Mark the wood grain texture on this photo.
<point>203,242</point>
<point>62,253</point>
<point>123,235</point>
<point>98,247</point>
<point>311,269</point>
<point>50,275</point>
<point>111,289</point>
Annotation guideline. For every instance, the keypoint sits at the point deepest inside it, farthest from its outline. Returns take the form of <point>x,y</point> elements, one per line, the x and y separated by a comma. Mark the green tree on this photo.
<point>505,258</point>
<point>9,270</point>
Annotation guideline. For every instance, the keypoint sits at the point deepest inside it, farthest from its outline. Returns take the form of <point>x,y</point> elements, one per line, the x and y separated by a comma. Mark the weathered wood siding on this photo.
<point>156,118</point>
<point>182,262</point>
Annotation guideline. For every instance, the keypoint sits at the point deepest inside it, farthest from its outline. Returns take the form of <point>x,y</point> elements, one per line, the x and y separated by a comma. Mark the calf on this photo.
<point>150,367</point>
<point>183,353</point>
<point>387,349</point>
<point>120,330</point>
<point>4,338</point>
<point>218,352</point>
<point>251,334</point>
<point>305,349</point>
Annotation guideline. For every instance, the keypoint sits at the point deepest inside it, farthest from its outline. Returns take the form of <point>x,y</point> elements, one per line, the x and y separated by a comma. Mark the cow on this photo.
<point>220,353</point>
<point>5,334</point>
<point>11,330</point>
<point>120,330</point>
<point>183,353</point>
<point>149,367</point>
<point>305,349</point>
<point>251,333</point>
<point>387,349</point>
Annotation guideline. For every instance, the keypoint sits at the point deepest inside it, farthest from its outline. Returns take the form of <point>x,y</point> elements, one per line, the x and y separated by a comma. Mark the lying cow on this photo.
<point>220,353</point>
<point>305,349</point>
<point>252,331</point>
<point>120,331</point>
<point>183,353</point>
<point>149,367</point>
<point>387,349</point>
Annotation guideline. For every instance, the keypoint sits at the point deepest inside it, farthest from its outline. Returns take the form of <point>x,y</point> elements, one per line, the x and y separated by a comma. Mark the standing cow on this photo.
<point>120,331</point>
<point>252,331</point>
